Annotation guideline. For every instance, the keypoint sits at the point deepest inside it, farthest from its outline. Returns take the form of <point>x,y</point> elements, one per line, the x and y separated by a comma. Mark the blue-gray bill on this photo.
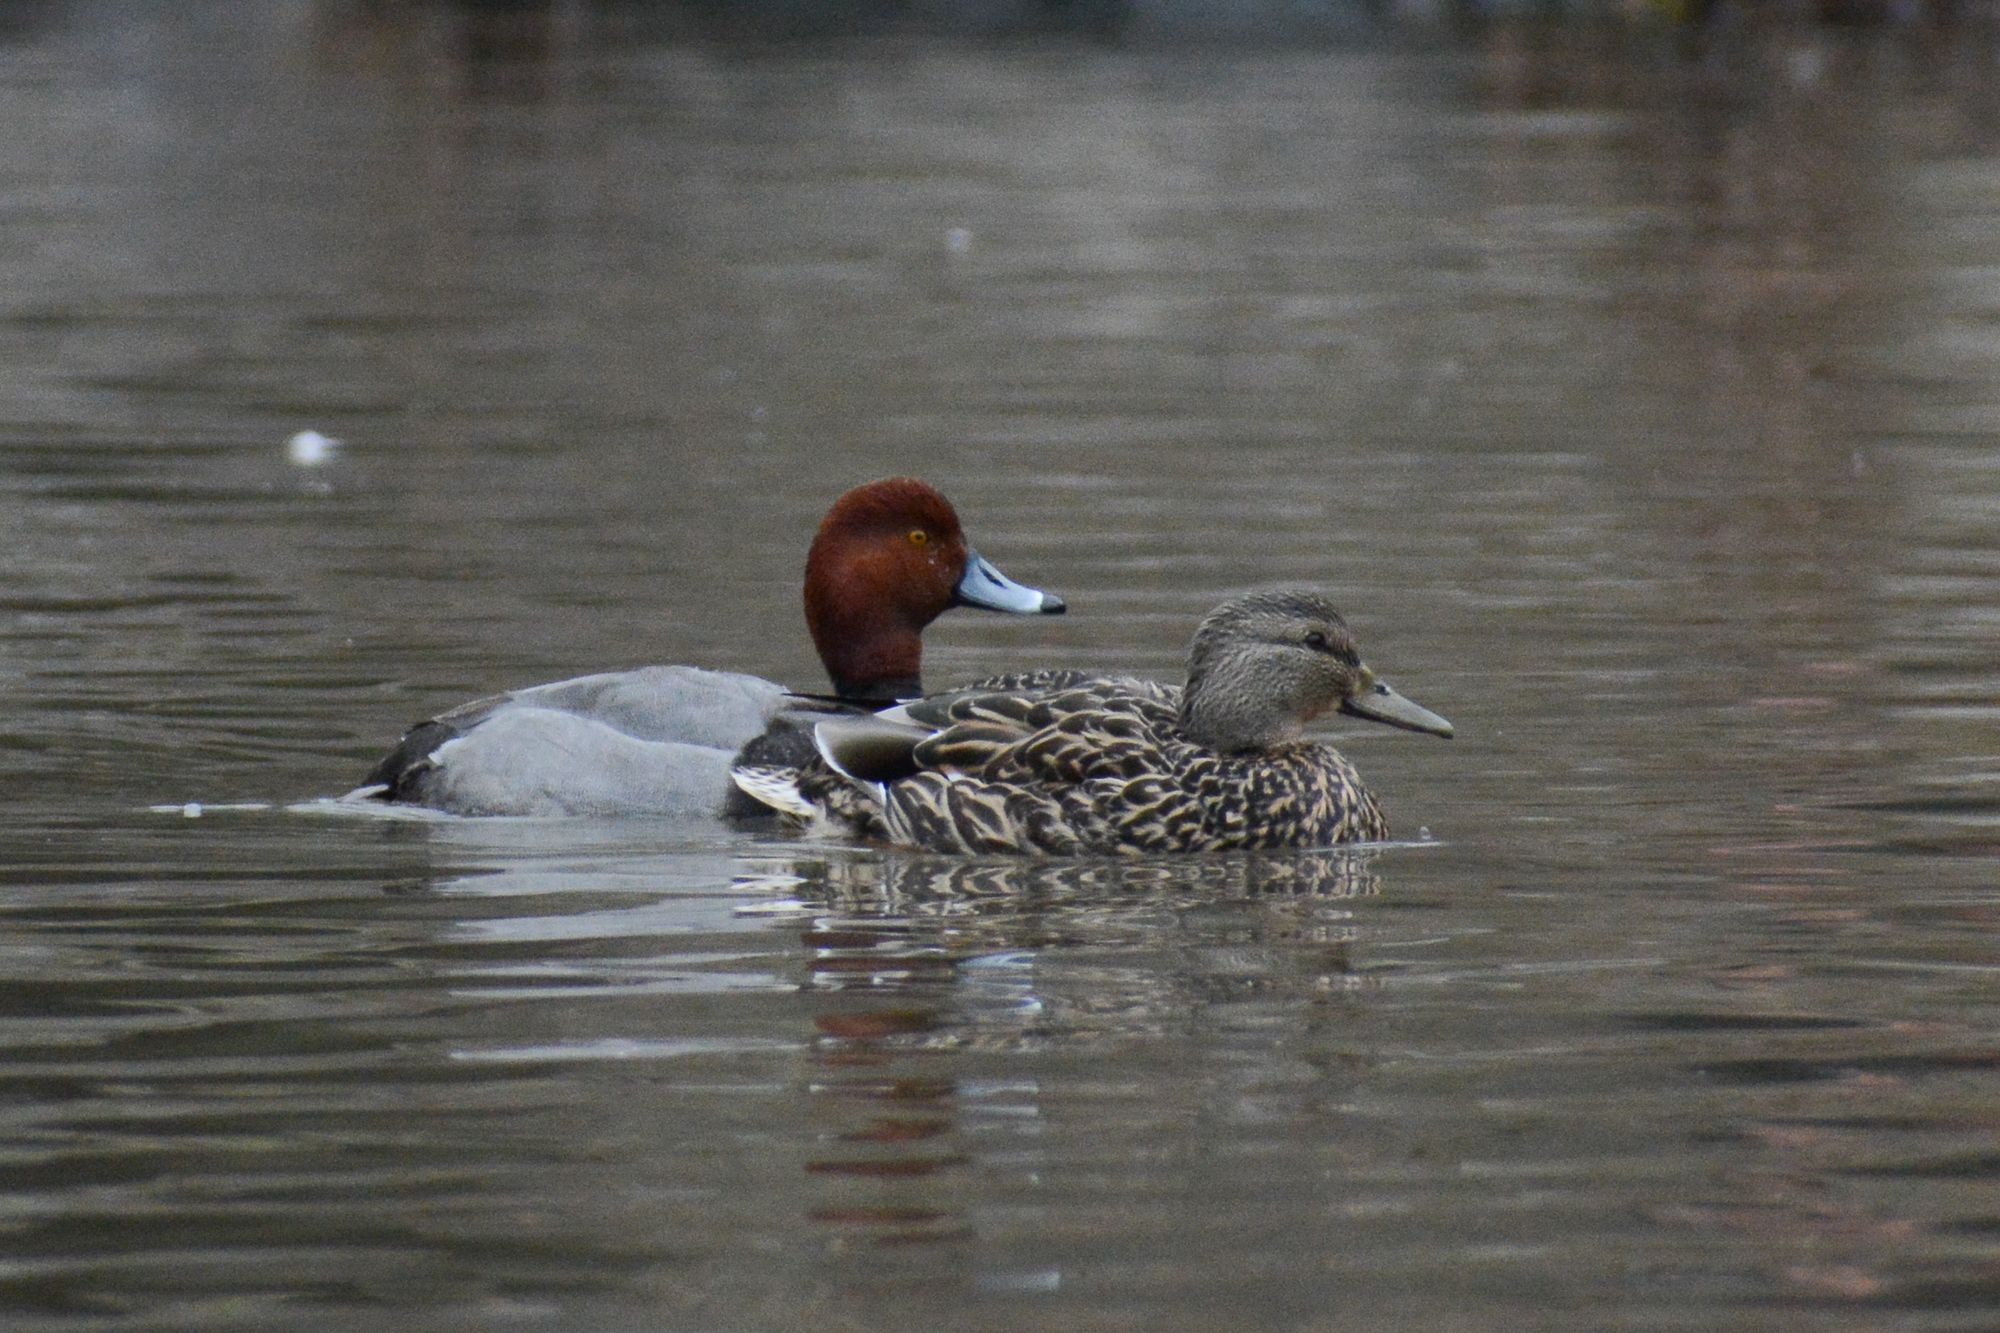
<point>1379,703</point>
<point>984,585</point>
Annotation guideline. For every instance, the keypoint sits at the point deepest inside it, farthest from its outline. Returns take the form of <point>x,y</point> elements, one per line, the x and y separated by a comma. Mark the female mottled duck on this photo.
<point>1066,763</point>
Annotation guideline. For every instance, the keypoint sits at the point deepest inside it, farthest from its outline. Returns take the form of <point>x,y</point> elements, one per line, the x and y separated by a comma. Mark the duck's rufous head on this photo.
<point>889,559</point>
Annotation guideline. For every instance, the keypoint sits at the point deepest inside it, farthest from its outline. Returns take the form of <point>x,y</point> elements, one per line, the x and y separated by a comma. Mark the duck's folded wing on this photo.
<point>685,709</point>
<point>1016,698</point>
<point>689,705</point>
<point>1063,739</point>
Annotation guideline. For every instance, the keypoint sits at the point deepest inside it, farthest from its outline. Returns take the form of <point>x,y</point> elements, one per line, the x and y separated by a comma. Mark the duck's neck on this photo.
<point>1230,707</point>
<point>871,653</point>
<point>876,689</point>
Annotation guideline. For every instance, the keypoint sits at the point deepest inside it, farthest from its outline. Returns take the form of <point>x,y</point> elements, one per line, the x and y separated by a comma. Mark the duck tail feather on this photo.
<point>777,788</point>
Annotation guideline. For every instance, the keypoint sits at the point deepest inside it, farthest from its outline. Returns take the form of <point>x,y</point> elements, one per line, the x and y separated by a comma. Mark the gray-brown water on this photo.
<point>1636,401</point>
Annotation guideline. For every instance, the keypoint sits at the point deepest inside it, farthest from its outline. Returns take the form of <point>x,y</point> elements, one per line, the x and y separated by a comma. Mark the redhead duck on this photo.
<point>1058,762</point>
<point>888,559</point>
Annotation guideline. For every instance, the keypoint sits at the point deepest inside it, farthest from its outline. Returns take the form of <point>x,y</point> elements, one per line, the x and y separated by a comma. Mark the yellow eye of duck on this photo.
<point>918,537</point>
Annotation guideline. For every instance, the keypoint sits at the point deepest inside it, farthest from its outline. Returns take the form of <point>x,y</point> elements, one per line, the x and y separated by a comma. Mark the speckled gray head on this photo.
<point>1263,665</point>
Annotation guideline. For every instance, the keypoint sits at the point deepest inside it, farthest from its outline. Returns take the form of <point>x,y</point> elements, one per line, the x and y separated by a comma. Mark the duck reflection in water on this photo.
<point>930,976</point>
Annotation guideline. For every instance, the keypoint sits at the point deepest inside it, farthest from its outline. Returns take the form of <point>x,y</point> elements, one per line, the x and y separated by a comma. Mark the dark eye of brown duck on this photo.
<point>1318,642</point>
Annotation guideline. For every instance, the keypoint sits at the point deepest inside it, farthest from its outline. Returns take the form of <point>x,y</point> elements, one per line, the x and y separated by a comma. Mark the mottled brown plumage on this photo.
<point>1067,764</point>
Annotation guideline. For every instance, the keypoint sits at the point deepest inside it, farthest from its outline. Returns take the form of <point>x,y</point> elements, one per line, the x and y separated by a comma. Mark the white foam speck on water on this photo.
<point>309,448</point>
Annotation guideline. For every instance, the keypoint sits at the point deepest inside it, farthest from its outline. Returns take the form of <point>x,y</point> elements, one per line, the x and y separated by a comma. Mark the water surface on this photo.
<point>1635,398</point>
